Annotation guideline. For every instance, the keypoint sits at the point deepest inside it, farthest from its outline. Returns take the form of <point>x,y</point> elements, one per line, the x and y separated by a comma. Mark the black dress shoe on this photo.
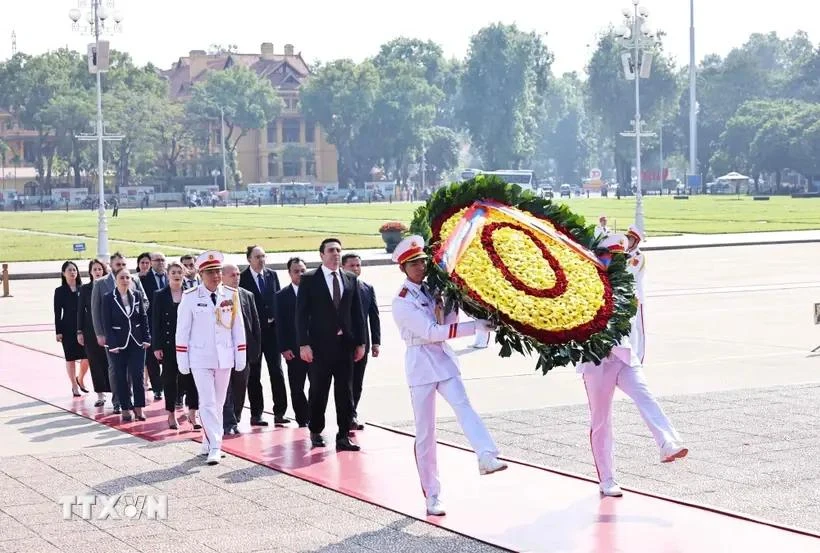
<point>257,421</point>
<point>316,440</point>
<point>344,444</point>
<point>356,426</point>
<point>303,425</point>
<point>235,430</point>
<point>117,410</point>
<point>280,419</point>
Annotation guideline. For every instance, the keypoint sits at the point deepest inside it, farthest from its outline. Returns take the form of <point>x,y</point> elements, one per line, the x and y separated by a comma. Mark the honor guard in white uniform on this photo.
<point>623,368</point>
<point>210,341</point>
<point>636,265</point>
<point>431,366</point>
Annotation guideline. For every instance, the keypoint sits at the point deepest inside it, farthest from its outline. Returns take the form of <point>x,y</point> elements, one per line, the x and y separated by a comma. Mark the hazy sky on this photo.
<point>161,32</point>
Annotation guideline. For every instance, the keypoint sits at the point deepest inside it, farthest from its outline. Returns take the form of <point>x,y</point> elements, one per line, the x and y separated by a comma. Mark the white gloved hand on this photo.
<point>484,325</point>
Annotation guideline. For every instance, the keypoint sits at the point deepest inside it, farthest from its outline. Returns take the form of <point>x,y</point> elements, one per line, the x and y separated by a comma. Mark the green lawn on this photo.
<point>301,228</point>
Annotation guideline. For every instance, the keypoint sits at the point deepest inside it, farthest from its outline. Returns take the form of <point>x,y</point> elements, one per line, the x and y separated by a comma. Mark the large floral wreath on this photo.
<point>525,263</point>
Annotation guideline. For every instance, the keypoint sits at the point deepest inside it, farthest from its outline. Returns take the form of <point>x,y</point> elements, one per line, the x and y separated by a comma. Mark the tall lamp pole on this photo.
<point>98,62</point>
<point>693,101</point>
<point>222,139</point>
<point>638,41</point>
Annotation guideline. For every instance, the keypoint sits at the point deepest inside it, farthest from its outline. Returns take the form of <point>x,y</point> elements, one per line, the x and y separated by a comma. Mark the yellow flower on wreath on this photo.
<point>577,305</point>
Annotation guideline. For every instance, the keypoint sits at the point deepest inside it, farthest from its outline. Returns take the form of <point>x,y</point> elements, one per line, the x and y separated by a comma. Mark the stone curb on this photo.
<point>381,261</point>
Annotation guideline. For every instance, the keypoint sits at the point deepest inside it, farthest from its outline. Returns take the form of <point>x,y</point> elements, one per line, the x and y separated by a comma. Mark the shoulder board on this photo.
<point>403,293</point>
<point>191,289</point>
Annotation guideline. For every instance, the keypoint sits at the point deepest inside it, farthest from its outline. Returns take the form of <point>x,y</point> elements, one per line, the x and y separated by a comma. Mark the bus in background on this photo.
<point>526,179</point>
<point>468,174</point>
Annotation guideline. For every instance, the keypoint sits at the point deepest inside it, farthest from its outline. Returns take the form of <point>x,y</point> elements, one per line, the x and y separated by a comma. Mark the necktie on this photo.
<point>162,281</point>
<point>337,291</point>
<point>261,282</point>
<point>213,297</point>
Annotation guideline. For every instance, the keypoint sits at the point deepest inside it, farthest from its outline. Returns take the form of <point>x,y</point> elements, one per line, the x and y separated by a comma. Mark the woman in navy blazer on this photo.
<point>127,336</point>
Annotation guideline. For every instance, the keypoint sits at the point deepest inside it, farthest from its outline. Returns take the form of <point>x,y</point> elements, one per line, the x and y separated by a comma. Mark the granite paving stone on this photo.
<point>753,451</point>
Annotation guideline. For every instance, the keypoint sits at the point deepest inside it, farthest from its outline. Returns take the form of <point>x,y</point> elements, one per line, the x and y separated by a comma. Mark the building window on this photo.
<point>310,168</point>
<point>310,131</point>
<point>290,131</point>
<point>290,168</point>
<point>29,152</point>
<point>272,138</point>
<point>273,166</point>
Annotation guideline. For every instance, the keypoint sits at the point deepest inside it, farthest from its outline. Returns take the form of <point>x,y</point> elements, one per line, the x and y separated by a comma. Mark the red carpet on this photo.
<point>523,509</point>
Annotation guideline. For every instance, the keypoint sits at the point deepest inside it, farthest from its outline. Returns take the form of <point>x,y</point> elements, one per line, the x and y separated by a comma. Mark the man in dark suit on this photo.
<point>235,398</point>
<point>352,263</point>
<point>263,283</point>
<point>330,329</point>
<point>155,279</point>
<point>288,342</point>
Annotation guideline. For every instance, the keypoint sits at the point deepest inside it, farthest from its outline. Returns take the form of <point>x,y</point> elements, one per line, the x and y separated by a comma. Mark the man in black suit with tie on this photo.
<point>263,283</point>
<point>352,263</point>
<point>330,329</point>
<point>235,398</point>
<point>155,279</point>
<point>288,342</point>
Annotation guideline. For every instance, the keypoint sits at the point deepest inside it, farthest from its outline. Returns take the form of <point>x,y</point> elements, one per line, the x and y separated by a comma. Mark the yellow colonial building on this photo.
<point>291,148</point>
<point>17,156</point>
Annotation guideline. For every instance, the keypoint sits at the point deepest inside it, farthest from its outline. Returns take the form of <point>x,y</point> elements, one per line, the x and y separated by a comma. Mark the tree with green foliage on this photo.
<point>340,96</point>
<point>247,100</point>
<point>502,87</point>
<point>612,99</point>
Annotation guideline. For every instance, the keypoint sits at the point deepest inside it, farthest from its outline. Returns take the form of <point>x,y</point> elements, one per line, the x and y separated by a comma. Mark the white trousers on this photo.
<point>212,387</point>
<point>424,412</point>
<point>600,383</point>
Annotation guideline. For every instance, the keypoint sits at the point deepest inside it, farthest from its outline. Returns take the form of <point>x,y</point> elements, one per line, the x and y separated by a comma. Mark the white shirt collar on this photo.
<point>295,289</point>
<point>327,271</point>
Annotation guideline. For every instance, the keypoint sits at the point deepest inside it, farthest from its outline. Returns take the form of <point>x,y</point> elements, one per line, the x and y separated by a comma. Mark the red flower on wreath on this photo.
<point>580,333</point>
<point>556,290</point>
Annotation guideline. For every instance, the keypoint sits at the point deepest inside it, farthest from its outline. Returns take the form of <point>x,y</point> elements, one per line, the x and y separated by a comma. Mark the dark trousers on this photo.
<point>128,365</point>
<point>154,372</point>
<point>332,361</point>
<point>97,363</point>
<point>358,381</point>
<point>270,351</point>
<point>297,374</point>
<point>173,382</point>
<point>235,398</point>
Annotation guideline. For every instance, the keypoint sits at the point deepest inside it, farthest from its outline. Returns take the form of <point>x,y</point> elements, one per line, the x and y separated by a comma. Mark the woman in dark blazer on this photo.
<point>95,353</point>
<point>127,336</point>
<point>66,298</point>
<point>164,307</point>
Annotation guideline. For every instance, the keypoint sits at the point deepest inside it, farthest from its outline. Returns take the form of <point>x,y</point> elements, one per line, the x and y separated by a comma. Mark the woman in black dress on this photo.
<point>87,337</point>
<point>164,307</point>
<point>66,298</point>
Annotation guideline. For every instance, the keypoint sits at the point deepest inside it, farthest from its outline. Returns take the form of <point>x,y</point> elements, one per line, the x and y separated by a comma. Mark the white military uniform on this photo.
<point>622,368</point>
<point>431,366</point>
<point>210,341</point>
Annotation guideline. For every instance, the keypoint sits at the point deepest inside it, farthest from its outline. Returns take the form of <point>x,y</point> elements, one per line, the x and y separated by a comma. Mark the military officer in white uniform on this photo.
<point>210,341</point>
<point>623,368</point>
<point>431,366</point>
<point>636,265</point>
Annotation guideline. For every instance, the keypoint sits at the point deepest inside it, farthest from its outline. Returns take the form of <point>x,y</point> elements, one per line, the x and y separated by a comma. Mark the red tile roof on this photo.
<point>285,72</point>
